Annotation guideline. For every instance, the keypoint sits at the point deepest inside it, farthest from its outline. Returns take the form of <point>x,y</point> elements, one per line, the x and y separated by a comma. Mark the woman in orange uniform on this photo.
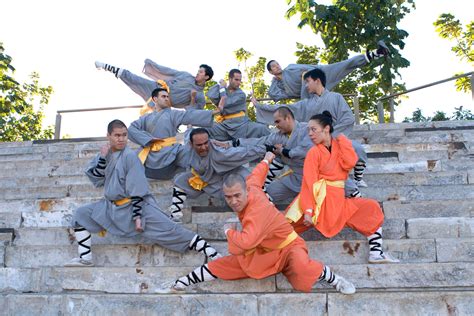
<point>321,202</point>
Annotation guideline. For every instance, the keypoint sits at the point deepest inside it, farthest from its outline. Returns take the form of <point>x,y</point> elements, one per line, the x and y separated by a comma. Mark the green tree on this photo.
<point>18,119</point>
<point>450,28</point>
<point>347,26</point>
<point>252,80</point>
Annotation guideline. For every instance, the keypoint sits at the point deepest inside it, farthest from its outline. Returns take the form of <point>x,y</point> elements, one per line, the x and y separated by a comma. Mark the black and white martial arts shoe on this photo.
<point>361,183</point>
<point>382,258</point>
<point>381,51</point>
<point>343,286</point>
<point>79,262</point>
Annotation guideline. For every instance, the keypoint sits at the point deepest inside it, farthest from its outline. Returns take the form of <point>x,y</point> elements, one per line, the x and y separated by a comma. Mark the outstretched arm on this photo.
<point>259,173</point>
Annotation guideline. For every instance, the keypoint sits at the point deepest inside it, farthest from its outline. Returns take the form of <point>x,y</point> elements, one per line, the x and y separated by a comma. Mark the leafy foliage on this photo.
<point>18,119</point>
<point>458,115</point>
<point>347,26</point>
<point>450,28</point>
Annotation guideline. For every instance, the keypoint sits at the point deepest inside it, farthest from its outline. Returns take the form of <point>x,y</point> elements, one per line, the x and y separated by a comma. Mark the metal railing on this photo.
<point>380,108</point>
<point>57,128</point>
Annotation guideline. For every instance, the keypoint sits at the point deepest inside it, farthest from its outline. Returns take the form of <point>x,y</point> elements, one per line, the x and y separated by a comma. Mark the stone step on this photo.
<point>452,227</point>
<point>329,252</point>
<point>407,275</point>
<point>458,184</point>
<point>440,302</point>
<point>420,193</point>
<point>427,209</point>
<point>152,279</point>
<point>373,179</point>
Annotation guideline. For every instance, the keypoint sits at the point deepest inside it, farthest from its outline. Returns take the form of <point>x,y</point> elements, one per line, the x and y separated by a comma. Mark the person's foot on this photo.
<point>356,194</point>
<point>176,216</point>
<point>213,257</point>
<point>343,286</point>
<point>377,257</point>
<point>99,65</point>
<point>78,262</point>
<point>382,49</point>
<point>179,286</point>
<point>360,183</point>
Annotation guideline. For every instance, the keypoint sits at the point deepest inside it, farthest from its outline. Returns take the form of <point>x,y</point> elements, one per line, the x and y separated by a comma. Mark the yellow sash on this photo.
<point>292,236</point>
<point>156,146</point>
<point>219,118</point>
<point>122,201</point>
<point>284,174</point>
<point>319,191</point>
<point>196,182</point>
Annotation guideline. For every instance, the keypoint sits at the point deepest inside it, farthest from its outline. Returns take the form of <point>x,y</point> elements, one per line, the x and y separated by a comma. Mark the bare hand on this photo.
<point>269,157</point>
<point>138,225</point>
<point>278,149</point>
<point>232,226</point>
<point>222,83</point>
<point>253,100</point>
<point>222,103</point>
<point>220,144</point>
<point>104,150</point>
<point>308,221</point>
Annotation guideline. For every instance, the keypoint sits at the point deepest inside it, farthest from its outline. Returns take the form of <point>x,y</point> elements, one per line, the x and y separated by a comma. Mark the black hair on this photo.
<point>232,72</point>
<point>155,92</point>
<point>324,119</point>
<point>197,131</point>
<point>269,66</point>
<point>316,73</point>
<point>208,70</point>
<point>285,112</point>
<point>115,124</point>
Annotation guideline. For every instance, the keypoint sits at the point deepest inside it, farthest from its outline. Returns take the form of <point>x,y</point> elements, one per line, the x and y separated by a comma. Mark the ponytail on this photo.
<point>324,119</point>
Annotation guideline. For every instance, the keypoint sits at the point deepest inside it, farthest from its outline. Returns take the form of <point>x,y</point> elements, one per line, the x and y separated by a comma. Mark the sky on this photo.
<point>61,40</point>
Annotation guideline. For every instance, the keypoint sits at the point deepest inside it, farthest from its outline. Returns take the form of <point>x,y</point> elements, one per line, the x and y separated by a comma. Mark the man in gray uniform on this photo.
<point>233,121</point>
<point>323,100</point>
<point>128,208</point>
<point>185,89</point>
<point>209,165</point>
<point>290,143</point>
<point>156,132</point>
<point>288,83</point>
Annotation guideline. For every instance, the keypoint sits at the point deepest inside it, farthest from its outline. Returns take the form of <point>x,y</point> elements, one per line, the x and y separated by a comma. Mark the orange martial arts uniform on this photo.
<point>330,168</point>
<point>267,243</point>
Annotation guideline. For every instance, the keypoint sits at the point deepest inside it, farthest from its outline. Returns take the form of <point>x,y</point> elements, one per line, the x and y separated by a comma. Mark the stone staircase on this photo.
<point>423,174</point>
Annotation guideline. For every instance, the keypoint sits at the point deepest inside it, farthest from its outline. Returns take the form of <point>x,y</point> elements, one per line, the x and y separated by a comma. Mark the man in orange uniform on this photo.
<point>266,245</point>
<point>321,202</point>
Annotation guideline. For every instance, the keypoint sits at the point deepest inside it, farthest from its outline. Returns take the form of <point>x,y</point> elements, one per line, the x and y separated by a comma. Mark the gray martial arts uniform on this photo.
<point>164,164</point>
<point>292,84</point>
<point>213,168</point>
<point>239,127</point>
<point>180,83</point>
<point>298,144</point>
<point>125,178</point>
<point>334,103</point>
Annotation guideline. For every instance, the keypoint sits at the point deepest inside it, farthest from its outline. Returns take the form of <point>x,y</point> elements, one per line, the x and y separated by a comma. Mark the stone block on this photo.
<point>47,219</point>
<point>455,249</point>
<point>20,280</point>
<point>428,209</point>
<point>33,304</point>
<point>357,252</point>
<point>10,219</point>
<point>401,276</point>
<point>453,227</point>
<point>419,193</point>
<point>399,303</point>
<point>141,280</point>
<point>416,178</point>
<point>291,304</point>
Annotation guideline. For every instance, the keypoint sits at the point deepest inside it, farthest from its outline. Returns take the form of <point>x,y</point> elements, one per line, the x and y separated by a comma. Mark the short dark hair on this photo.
<point>234,178</point>
<point>324,119</point>
<point>155,92</point>
<point>269,66</point>
<point>208,70</point>
<point>316,73</point>
<point>285,112</point>
<point>115,124</point>
<point>234,71</point>
<point>198,131</point>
